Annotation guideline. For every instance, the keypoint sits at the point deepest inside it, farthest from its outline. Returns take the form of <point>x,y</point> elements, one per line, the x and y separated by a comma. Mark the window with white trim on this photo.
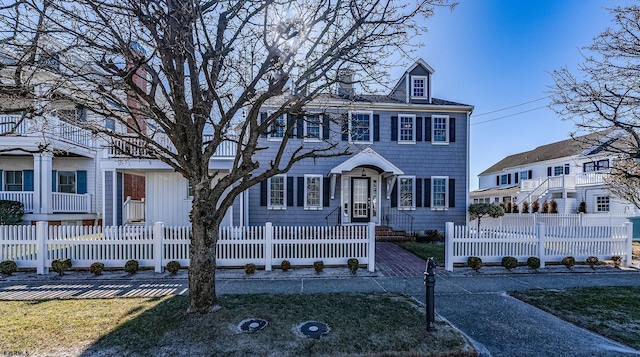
<point>13,181</point>
<point>361,127</point>
<point>277,188</point>
<point>524,175</point>
<point>439,192</point>
<point>67,181</point>
<point>596,165</point>
<point>276,131</point>
<point>406,192</point>
<point>312,127</point>
<point>418,86</point>
<point>407,128</point>
<point>602,203</point>
<point>313,191</point>
<point>189,189</point>
<point>440,129</point>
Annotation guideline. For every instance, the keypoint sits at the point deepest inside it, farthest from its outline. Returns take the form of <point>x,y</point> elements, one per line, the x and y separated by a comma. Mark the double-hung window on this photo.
<point>67,181</point>
<point>440,129</point>
<point>277,188</point>
<point>276,131</point>
<point>524,175</point>
<point>439,192</point>
<point>418,86</point>
<point>313,191</point>
<point>596,165</point>
<point>407,128</point>
<point>602,204</point>
<point>407,192</point>
<point>361,126</point>
<point>558,170</point>
<point>13,181</point>
<point>312,128</point>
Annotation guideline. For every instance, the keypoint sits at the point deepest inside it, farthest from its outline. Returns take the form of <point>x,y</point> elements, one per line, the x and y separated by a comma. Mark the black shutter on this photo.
<point>325,127</point>
<point>418,198</point>
<point>530,175</point>
<point>345,127</point>
<point>452,193</point>
<point>427,192</point>
<point>300,128</point>
<point>394,128</point>
<point>549,171</point>
<point>290,122</point>
<point>515,177</point>
<point>263,193</point>
<point>300,192</point>
<point>394,195</point>
<point>509,179</point>
<point>498,180</point>
<point>263,118</point>
<point>289,191</point>
<point>452,130</point>
<point>418,129</point>
<point>376,127</point>
<point>326,189</point>
<point>427,129</point>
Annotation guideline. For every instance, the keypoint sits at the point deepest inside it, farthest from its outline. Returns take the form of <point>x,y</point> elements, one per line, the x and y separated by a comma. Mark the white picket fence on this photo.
<point>154,246</point>
<point>553,219</point>
<point>549,243</point>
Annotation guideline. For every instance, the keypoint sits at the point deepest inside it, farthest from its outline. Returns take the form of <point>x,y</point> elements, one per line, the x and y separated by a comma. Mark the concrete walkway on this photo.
<point>475,303</point>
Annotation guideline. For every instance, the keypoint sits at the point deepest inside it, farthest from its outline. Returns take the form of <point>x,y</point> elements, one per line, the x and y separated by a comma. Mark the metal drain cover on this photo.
<point>252,325</point>
<point>314,329</point>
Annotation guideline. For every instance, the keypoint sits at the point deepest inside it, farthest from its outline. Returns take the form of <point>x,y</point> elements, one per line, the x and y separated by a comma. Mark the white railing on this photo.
<point>591,178</point>
<point>13,123</point>
<point>154,246</point>
<point>553,219</point>
<point>72,133</point>
<point>54,126</point>
<point>491,244</point>
<point>71,202</point>
<point>26,197</point>
<point>134,210</point>
<point>136,147</point>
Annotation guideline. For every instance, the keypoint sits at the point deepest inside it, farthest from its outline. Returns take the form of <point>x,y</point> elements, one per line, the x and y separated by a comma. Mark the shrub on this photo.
<point>430,236</point>
<point>96,268</point>
<point>509,263</point>
<point>545,207</point>
<point>592,261</point>
<point>569,262</point>
<point>515,208</point>
<point>61,265</point>
<point>533,263</point>
<point>353,265</point>
<point>535,206</point>
<point>285,265</point>
<point>249,268</point>
<point>131,266</point>
<point>474,263</point>
<point>8,267</point>
<point>525,207</point>
<point>617,260</point>
<point>11,212</point>
<point>553,206</point>
<point>582,207</point>
<point>173,267</point>
<point>318,266</point>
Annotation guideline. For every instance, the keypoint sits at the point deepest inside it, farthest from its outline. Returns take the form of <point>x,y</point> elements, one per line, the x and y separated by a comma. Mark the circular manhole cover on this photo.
<point>314,329</point>
<point>252,325</point>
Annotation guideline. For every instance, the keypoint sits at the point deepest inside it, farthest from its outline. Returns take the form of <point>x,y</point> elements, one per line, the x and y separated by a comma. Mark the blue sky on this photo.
<point>495,54</point>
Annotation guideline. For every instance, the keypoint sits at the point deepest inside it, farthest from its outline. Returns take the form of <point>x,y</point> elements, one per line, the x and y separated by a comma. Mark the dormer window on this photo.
<point>418,86</point>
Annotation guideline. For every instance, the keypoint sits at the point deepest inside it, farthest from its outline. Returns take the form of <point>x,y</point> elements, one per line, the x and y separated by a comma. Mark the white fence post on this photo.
<point>41,243</point>
<point>448,250</point>
<point>541,245</point>
<point>629,244</point>
<point>268,246</point>
<point>371,235</point>
<point>158,233</point>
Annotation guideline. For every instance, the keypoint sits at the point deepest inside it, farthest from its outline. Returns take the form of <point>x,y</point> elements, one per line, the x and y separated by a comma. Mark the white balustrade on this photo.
<point>13,123</point>
<point>134,210</point>
<point>71,202</point>
<point>26,197</point>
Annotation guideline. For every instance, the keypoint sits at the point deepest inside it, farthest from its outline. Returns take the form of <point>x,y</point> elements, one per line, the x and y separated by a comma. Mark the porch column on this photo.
<point>42,165</point>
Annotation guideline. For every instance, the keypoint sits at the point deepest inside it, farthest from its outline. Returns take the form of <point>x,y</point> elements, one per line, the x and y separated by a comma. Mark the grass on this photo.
<point>609,311</point>
<point>361,324</point>
<point>426,250</point>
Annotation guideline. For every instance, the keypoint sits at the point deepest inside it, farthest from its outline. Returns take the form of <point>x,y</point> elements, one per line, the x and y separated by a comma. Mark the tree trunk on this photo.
<point>202,267</point>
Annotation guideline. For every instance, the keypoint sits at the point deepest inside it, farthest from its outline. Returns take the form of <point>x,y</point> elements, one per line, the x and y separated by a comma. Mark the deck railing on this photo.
<point>71,202</point>
<point>26,197</point>
<point>53,127</point>
<point>136,147</point>
<point>134,210</point>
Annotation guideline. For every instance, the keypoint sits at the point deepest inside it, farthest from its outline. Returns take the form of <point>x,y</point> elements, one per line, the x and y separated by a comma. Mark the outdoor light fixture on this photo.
<point>364,173</point>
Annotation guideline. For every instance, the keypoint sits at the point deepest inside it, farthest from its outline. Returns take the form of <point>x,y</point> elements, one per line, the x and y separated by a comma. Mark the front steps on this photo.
<point>387,234</point>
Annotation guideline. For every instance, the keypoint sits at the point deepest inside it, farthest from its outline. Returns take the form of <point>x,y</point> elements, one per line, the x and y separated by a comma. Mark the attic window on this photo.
<point>418,86</point>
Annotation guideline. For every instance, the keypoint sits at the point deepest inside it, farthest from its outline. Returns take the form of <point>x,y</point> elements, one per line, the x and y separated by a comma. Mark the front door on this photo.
<point>361,199</point>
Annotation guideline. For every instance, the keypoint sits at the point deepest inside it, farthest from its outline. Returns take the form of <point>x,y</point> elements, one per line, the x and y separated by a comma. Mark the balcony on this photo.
<point>61,202</point>
<point>53,128</point>
<point>569,182</point>
<point>134,147</point>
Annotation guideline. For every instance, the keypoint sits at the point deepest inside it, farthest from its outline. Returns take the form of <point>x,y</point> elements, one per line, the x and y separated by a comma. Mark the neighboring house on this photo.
<point>567,171</point>
<point>409,164</point>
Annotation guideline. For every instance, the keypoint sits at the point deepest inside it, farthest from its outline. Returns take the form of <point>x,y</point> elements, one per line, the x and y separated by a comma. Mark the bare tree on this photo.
<point>604,96</point>
<point>183,68</point>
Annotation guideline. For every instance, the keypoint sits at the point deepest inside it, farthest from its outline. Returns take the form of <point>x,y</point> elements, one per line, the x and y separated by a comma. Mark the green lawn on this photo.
<point>426,250</point>
<point>361,324</point>
<point>609,311</point>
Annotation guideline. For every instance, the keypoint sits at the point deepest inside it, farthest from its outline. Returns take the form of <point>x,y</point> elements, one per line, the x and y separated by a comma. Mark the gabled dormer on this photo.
<point>415,84</point>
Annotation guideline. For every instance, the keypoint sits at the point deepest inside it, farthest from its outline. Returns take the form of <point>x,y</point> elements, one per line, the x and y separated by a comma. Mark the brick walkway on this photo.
<point>391,260</point>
